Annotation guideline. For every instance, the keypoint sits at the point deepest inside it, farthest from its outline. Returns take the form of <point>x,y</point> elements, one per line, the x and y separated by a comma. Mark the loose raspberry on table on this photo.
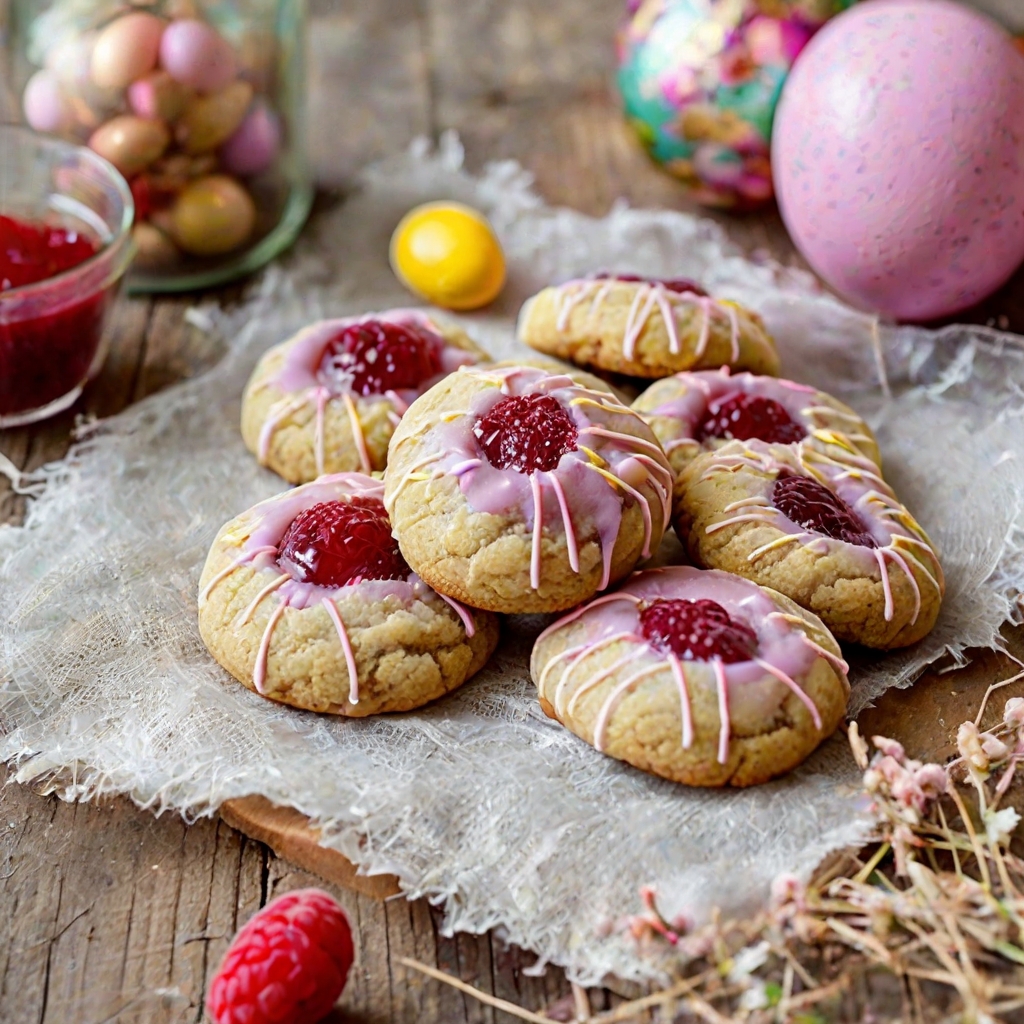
<point>339,543</point>
<point>697,630</point>
<point>287,965</point>
<point>814,507</point>
<point>373,357</point>
<point>526,433</point>
<point>741,417</point>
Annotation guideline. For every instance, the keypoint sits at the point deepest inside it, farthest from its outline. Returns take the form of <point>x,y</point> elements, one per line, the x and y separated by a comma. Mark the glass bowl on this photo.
<point>52,331</point>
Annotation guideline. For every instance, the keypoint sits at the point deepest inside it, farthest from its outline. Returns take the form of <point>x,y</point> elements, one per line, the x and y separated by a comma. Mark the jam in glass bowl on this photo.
<point>65,243</point>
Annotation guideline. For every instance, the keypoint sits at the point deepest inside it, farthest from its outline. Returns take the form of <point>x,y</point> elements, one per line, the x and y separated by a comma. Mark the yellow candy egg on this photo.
<point>212,216</point>
<point>448,254</point>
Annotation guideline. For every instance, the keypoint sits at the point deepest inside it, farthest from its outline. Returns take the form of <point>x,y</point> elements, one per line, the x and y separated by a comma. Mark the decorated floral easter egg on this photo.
<point>899,156</point>
<point>700,79</point>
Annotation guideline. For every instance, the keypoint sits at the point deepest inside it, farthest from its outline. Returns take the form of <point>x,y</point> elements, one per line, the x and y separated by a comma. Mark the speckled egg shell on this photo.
<point>899,156</point>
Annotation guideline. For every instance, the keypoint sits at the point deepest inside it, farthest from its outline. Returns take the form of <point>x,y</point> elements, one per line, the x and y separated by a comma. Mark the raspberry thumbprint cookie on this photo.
<point>306,599</point>
<point>833,537</point>
<point>329,399</point>
<point>698,676</point>
<point>515,490</point>
<point>691,413</point>
<point>645,327</point>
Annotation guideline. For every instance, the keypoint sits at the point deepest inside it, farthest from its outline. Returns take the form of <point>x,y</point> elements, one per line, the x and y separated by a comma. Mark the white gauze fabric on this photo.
<point>479,802</point>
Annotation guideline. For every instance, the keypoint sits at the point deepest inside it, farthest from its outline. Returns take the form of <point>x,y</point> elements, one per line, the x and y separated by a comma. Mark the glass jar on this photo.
<point>199,103</point>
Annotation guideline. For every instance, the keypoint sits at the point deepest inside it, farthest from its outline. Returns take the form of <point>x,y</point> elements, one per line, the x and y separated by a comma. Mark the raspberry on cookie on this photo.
<point>306,599</point>
<point>328,399</point>
<point>698,676</point>
<point>645,327</point>
<point>833,537</point>
<point>515,490</point>
<point>696,412</point>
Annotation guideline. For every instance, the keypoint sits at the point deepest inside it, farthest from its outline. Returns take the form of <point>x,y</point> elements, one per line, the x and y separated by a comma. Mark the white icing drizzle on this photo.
<point>358,436</point>
<point>725,726</point>
<point>259,670</point>
<point>246,615</point>
<point>747,517</point>
<point>538,527</point>
<point>772,545</point>
<point>613,699</point>
<point>276,415</point>
<point>772,670</point>
<point>649,296</point>
<point>318,434</point>
<point>685,710</point>
<point>346,646</point>
<point>572,549</point>
<point>250,556</point>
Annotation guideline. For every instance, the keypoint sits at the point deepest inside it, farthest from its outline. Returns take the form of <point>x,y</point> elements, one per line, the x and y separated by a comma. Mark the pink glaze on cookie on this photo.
<point>882,530</point>
<point>262,533</point>
<point>588,486</point>
<point>313,372</point>
<point>665,296</point>
<point>779,652</point>
<point>706,392</point>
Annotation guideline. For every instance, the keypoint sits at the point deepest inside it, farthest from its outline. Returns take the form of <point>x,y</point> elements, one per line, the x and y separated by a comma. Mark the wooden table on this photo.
<point>109,914</point>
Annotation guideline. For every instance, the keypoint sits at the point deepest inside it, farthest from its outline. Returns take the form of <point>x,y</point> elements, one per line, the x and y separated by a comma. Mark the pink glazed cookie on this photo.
<point>516,490</point>
<point>696,412</point>
<point>306,599</point>
<point>834,538</point>
<point>329,399</point>
<point>698,676</point>
<point>645,327</point>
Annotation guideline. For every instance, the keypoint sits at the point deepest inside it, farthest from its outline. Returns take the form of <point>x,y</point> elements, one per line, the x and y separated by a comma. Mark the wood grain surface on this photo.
<point>108,914</point>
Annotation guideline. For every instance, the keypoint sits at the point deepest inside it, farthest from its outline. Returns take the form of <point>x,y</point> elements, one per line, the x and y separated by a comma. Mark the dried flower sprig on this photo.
<point>935,901</point>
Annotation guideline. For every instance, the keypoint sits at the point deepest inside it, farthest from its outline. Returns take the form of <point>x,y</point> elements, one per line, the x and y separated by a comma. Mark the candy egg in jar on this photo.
<point>700,79</point>
<point>198,103</point>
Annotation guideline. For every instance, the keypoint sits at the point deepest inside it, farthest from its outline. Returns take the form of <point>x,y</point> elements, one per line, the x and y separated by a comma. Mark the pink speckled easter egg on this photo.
<point>898,156</point>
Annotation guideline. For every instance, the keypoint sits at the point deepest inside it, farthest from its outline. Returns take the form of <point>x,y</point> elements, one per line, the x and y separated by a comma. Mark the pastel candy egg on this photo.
<point>899,156</point>
<point>130,143</point>
<point>197,55</point>
<point>212,216</point>
<point>254,146</point>
<point>209,121</point>
<point>447,253</point>
<point>126,49</point>
<point>158,96</point>
<point>47,108</point>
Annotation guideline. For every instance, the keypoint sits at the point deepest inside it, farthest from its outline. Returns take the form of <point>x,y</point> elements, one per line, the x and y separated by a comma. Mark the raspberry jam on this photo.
<point>697,631</point>
<point>741,417</point>
<point>814,507</point>
<point>373,357</point>
<point>673,284</point>
<point>526,433</point>
<point>340,543</point>
<point>46,348</point>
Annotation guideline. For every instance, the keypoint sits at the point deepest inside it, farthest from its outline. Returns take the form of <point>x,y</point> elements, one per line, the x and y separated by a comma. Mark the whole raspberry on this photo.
<point>741,417</point>
<point>526,433</point>
<point>287,965</point>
